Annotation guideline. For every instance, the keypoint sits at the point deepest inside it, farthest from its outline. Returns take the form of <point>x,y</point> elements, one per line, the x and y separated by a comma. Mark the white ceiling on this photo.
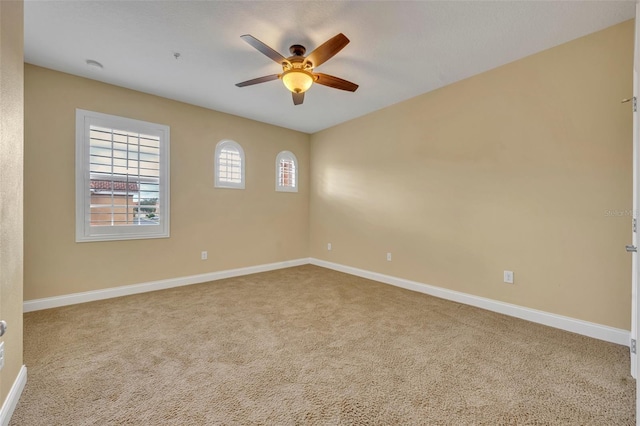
<point>398,49</point>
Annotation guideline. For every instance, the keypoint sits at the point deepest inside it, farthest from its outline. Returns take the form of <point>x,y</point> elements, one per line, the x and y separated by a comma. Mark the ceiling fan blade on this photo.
<point>258,80</point>
<point>263,48</point>
<point>298,98</point>
<point>335,82</point>
<point>325,51</point>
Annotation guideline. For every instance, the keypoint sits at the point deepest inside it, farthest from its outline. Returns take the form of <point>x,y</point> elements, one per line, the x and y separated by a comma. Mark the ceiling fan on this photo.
<point>297,70</point>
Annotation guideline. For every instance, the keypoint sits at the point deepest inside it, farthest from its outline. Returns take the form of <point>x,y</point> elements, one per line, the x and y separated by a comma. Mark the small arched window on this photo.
<point>286,172</point>
<point>229,165</point>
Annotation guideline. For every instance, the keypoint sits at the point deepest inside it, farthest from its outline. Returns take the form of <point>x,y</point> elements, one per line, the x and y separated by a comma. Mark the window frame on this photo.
<point>84,231</point>
<point>291,156</point>
<point>228,185</point>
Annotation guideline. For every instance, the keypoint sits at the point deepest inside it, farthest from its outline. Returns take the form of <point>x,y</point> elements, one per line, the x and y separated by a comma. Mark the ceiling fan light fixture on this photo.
<point>297,80</point>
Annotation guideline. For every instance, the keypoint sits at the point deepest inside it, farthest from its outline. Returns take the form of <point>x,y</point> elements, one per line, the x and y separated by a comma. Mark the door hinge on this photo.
<point>633,346</point>
<point>635,225</point>
<point>635,102</point>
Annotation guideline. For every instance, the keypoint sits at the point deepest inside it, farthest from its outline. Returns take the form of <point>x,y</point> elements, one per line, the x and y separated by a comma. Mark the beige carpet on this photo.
<point>311,346</point>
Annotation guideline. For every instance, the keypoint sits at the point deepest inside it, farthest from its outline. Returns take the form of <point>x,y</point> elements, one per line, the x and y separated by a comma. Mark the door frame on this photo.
<point>636,200</point>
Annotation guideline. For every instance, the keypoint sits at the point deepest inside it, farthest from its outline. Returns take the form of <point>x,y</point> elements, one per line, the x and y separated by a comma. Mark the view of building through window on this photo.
<point>124,178</point>
<point>287,173</point>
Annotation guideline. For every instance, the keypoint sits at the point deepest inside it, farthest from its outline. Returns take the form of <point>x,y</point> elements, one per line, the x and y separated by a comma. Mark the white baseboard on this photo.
<point>13,397</point>
<point>597,331</point>
<point>108,293</point>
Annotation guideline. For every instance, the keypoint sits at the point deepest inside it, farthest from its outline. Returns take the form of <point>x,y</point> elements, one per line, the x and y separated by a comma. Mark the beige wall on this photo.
<point>511,169</point>
<point>237,227</point>
<point>11,198</point>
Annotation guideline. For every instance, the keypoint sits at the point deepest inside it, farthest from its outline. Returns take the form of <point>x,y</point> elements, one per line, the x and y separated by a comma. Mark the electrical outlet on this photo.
<point>329,246</point>
<point>204,255</point>
<point>508,277</point>
<point>1,355</point>
<point>389,257</point>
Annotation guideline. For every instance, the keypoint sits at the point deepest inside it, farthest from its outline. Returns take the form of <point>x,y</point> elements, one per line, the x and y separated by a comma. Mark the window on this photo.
<point>286,172</point>
<point>229,165</point>
<point>122,178</point>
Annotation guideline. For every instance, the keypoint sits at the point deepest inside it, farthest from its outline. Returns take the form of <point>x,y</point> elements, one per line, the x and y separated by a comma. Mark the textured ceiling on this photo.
<point>398,49</point>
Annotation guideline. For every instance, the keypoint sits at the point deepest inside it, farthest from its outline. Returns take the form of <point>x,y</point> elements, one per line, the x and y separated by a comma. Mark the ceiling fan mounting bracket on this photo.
<point>297,50</point>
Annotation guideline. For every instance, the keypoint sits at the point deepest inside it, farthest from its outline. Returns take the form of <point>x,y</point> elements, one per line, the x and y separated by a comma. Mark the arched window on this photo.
<point>229,165</point>
<point>286,172</point>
